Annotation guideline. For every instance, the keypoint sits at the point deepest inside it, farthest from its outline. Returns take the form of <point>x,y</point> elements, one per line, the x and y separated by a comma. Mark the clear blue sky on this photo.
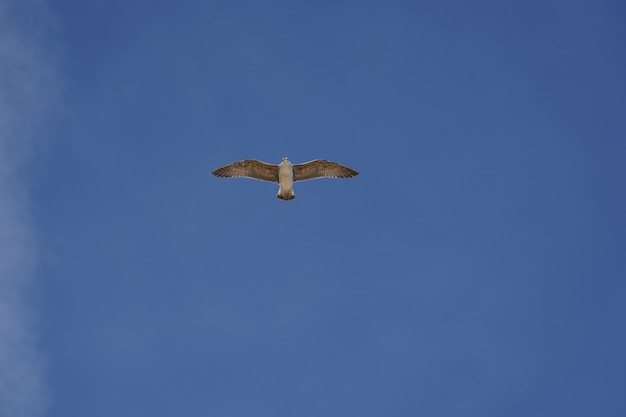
<point>476,267</point>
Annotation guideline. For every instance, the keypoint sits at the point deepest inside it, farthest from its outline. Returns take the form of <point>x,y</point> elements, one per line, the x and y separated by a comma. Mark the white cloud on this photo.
<point>27,87</point>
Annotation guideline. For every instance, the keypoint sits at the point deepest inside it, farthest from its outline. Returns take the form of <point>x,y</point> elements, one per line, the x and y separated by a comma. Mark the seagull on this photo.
<point>285,173</point>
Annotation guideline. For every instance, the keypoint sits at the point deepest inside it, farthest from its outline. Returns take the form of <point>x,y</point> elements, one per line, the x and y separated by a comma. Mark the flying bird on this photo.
<point>286,173</point>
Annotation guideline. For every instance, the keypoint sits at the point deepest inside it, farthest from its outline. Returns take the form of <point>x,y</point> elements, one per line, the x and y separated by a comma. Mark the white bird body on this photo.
<point>285,174</point>
<point>285,180</point>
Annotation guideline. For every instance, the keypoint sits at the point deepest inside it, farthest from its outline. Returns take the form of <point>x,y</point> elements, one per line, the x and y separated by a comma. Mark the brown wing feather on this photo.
<point>250,168</point>
<point>320,168</point>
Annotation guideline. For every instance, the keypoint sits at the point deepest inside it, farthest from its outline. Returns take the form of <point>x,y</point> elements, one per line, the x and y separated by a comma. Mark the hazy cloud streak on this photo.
<point>27,87</point>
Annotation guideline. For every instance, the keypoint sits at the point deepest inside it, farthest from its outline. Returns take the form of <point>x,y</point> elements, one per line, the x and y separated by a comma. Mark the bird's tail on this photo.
<point>285,195</point>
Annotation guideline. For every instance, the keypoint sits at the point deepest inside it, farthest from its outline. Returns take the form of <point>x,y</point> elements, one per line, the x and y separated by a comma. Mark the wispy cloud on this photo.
<point>27,86</point>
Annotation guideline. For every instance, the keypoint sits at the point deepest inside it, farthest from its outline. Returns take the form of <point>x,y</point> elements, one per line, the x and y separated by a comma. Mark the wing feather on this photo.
<point>249,168</point>
<point>320,168</point>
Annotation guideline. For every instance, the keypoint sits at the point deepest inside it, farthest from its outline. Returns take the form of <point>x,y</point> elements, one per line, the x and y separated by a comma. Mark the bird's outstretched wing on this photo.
<point>320,168</point>
<point>250,168</point>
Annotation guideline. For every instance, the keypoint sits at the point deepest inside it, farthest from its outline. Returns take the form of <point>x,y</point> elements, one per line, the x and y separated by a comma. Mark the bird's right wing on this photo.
<point>250,168</point>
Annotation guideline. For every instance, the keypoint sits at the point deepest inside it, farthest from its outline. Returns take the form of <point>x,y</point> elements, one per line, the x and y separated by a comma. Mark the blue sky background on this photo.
<point>476,266</point>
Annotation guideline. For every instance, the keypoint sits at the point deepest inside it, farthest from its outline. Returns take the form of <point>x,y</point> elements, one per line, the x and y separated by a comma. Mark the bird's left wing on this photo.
<point>320,168</point>
<point>250,168</point>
